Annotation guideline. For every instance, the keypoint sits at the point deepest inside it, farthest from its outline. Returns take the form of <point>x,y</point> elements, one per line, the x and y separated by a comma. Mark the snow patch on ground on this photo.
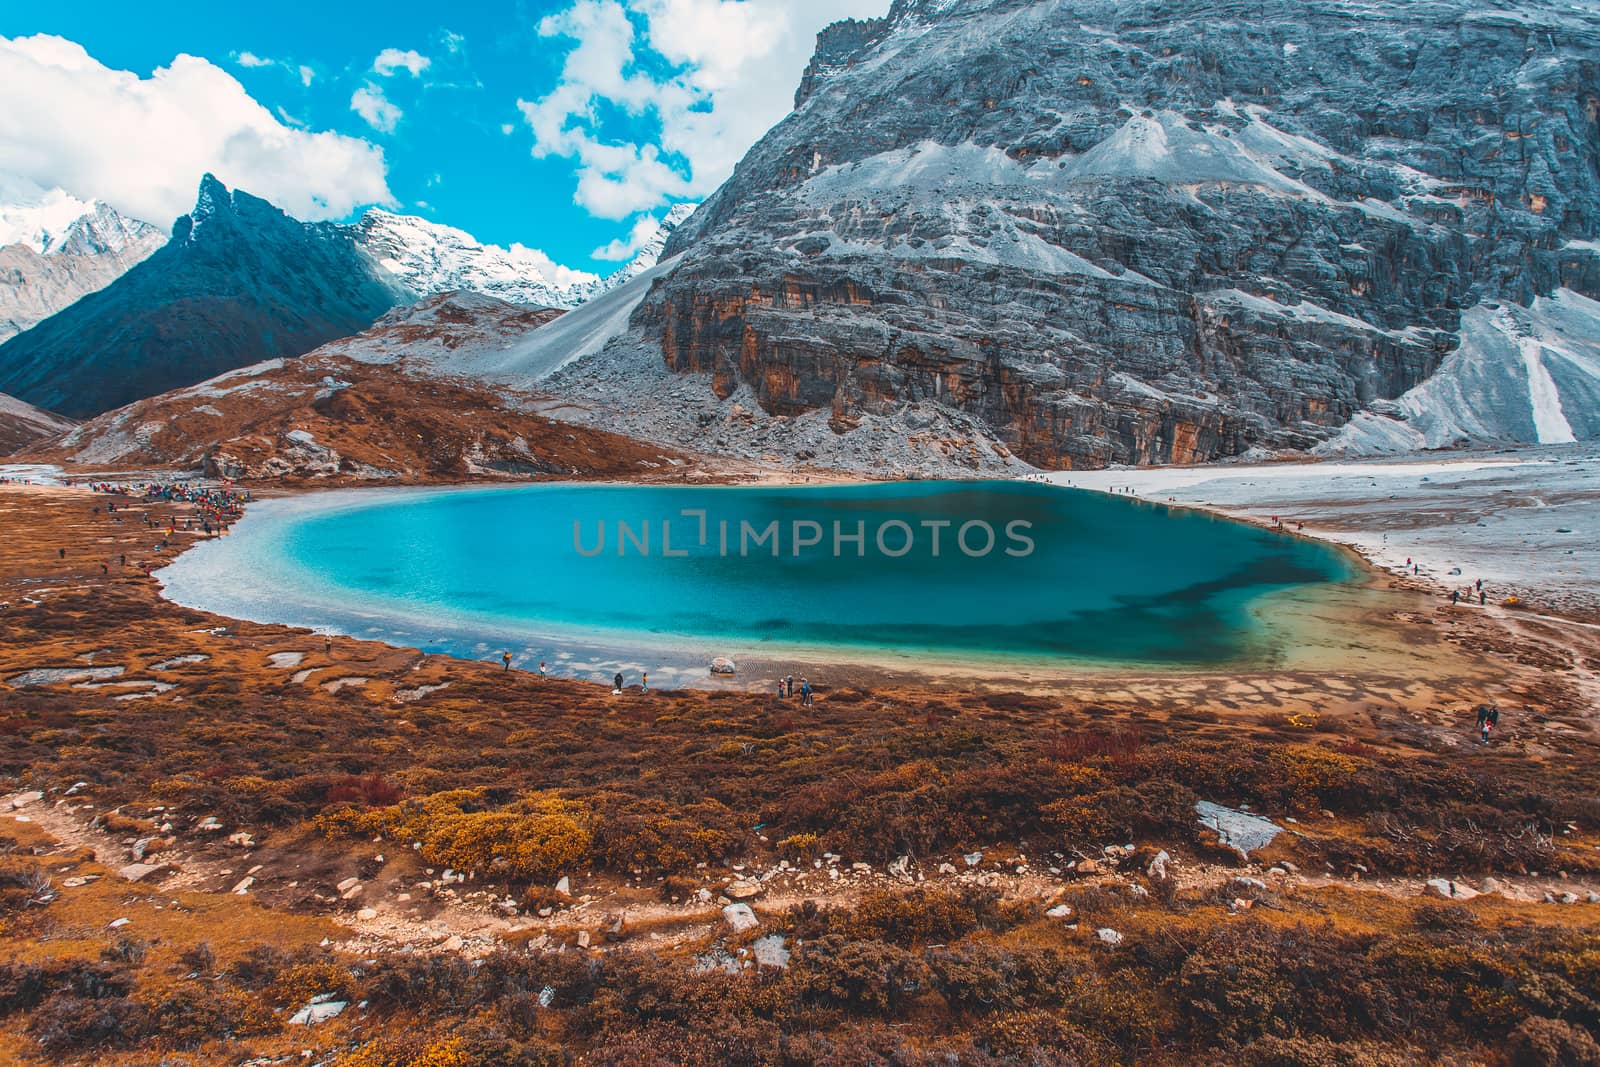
<point>1526,521</point>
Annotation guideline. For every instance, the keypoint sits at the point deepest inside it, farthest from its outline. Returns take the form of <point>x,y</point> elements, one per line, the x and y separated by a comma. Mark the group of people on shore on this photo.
<point>786,691</point>
<point>787,687</point>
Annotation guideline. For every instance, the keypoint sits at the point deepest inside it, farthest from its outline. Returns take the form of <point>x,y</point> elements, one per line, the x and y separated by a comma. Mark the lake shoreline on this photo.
<point>209,578</point>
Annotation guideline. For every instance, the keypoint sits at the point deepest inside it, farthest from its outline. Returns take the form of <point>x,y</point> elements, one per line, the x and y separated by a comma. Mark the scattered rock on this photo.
<point>117,924</point>
<point>138,872</point>
<point>351,893</point>
<point>769,951</point>
<point>367,914</point>
<point>740,917</point>
<point>742,889</point>
<point>972,859</point>
<point>22,800</point>
<point>1088,867</point>
<point>241,839</point>
<point>1445,889</point>
<point>318,1011</point>
<point>1060,911</point>
<point>1158,866</point>
<point>243,885</point>
<point>583,939</point>
<point>723,665</point>
<point>1238,830</point>
<point>564,886</point>
<point>348,884</point>
<point>1108,936</point>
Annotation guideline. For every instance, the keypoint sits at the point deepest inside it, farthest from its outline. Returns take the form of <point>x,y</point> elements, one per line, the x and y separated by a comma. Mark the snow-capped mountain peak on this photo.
<point>55,248</point>
<point>428,258</point>
<point>431,258</point>
<point>59,222</point>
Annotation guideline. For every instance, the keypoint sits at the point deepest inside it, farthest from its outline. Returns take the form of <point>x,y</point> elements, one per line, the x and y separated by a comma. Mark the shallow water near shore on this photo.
<point>580,575</point>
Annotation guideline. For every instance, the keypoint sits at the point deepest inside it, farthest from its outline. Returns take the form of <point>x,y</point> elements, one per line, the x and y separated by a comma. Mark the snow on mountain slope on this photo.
<point>56,248</point>
<point>1528,375</point>
<point>429,258</point>
<point>574,336</point>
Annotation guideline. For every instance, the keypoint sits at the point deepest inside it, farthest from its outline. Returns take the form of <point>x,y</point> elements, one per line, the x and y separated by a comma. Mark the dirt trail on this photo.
<point>453,926</point>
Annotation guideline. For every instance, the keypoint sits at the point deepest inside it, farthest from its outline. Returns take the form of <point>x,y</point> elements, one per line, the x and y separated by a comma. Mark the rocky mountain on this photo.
<point>428,258</point>
<point>58,249</point>
<point>23,424</point>
<point>1109,231</point>
<point>457,333</point>
<point>381,406</point>
<point>238,282</point>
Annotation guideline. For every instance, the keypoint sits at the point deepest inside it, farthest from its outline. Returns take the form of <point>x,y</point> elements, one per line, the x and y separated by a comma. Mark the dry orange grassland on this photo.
<point>927,864</point>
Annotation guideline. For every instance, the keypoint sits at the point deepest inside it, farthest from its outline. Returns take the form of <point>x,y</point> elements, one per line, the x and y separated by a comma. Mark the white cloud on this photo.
<point>250,59</point>
<point>393,59</point>
<point>734,66</point>
<point>370,103</point>
<point>644,230</point>
<point>306,74</point>
<point>141,144</point>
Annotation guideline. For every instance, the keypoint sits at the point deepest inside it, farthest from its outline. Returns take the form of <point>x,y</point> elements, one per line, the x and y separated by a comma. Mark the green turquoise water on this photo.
<point>1068,575</point>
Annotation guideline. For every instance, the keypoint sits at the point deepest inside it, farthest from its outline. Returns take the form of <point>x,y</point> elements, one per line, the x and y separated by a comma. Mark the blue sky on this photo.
<point>558,124</point>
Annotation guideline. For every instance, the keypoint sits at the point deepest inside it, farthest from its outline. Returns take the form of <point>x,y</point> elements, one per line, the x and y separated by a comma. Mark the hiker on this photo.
<point>805,693</point>
<point>505,660</point>
<point>1483,598</point>
<point>616,684</point>
<point>1489,719</point>
<point>543,670</point>
<point>1455,597</point>
<point>789,681</point>
<point>61,553</point>
<point>327,644</point>
<point>780,688</point>
<point>644,681</point>
<point>122,560</point>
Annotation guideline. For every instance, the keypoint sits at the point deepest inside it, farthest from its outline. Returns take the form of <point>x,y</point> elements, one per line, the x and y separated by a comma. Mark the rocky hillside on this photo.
<point>376,407</point>
<point>23,424</point>
<point>1111,232</point>
<point>53,253</point>
<point>238,282</point>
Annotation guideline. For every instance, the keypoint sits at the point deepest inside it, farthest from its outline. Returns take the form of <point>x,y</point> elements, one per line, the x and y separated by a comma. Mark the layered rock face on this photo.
<point>1122,232</point>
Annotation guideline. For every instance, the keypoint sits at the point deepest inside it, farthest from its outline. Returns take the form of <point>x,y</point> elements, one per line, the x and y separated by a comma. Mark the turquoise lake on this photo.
<point>1020,569</point>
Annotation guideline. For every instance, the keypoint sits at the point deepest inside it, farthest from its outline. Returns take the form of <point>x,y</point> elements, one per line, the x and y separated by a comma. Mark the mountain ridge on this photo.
<point>1120,235</point>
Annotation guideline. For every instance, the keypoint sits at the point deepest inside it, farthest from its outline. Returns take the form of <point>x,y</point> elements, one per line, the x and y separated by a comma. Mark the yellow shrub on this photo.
<point>534,838</point>
<point>298,984</point>
<point>799,846</point>
<point>451,1052</point>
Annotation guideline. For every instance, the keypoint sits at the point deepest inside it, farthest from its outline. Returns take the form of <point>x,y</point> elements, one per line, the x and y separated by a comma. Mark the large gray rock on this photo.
<point>1114,231</point>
